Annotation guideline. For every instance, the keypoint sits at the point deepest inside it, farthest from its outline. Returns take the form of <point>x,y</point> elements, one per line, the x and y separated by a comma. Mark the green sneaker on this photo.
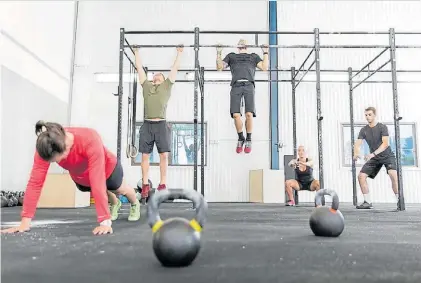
<point>134,211</point>
<point>114,209</point>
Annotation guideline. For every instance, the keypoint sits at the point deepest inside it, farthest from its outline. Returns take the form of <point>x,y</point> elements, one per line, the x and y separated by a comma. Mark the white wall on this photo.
<point>98,51</point>
<point>227,173</point>
<point>349,16</point>
<point>37,42</point>
<point>36,45</point>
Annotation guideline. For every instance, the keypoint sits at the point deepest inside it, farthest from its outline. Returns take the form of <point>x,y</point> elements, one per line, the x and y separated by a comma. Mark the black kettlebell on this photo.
<point>176,241</point>
<point>10,201</point>
<point>327,221</point>
<point>4,201</point>
<point>20,198</point>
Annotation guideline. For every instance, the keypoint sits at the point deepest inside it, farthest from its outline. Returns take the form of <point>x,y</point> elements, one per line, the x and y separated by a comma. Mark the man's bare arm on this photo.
<point>220,64</point>
<point>292,163</point>
<point>139,67</point>
<point>264,65</point>
<point>383,146</point>
<point>174,69</point>
<point>310,163</point>
<point>357,146</point>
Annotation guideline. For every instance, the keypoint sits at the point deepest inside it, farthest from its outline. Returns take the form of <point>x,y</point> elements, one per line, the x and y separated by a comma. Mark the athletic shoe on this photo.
<point>114,209</point>
<point>240,146</point>
<point>161,187</point>
<point>365,205</point>
<point>247,147</point>
<point>290,203</point>
<point>134,211</point>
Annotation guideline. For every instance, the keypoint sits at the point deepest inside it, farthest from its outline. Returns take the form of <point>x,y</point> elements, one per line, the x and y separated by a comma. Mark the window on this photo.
<point>182,145</point>
<point>408,143</point>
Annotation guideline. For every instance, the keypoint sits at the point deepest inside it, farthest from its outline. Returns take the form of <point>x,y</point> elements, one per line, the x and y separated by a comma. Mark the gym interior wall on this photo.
<point>96,80</point>
<point>351,16</point>
<point>35,78</point>
<point>99,58</point>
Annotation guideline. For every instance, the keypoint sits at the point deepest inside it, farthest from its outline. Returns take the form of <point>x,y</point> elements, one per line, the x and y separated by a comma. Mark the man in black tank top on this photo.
<point>377,137</point>
<point>243,68</point>
<point>304,179</point>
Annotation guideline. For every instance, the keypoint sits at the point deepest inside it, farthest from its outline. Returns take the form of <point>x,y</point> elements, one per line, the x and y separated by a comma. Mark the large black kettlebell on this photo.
<point>327,221</point>
<point>176,241</point>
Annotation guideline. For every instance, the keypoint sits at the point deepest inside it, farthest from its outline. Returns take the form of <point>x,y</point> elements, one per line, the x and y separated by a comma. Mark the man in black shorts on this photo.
<point>243,68</point>
<point>155,129</point>
<point>377,137</point>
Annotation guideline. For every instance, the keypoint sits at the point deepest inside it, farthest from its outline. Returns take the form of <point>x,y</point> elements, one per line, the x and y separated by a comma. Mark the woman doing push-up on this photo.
<point>91,166</point>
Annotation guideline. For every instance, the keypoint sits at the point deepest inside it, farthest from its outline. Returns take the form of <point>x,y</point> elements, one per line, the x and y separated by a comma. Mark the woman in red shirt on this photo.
<point>91,166</point>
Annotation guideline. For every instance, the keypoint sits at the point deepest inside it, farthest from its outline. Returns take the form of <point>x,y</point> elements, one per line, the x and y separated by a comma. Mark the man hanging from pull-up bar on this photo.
<point>155,129</point>
<point>243,69</point>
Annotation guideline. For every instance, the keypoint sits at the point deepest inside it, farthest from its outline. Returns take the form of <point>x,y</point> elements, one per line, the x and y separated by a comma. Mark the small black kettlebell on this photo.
<point>327,221</point>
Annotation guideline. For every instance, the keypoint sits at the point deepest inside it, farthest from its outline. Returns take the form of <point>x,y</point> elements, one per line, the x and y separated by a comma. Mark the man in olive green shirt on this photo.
<point>155,129</point>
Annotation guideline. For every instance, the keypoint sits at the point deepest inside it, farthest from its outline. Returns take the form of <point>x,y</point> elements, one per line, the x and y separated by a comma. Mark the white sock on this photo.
<point>397,197</point>
<point>367,197</point>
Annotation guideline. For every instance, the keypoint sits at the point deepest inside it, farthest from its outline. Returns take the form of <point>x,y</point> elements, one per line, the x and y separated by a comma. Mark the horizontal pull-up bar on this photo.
<point>159,32</point>
<point>289,81</point>
<point>288,70</point>
<point>263,32</point>
<point>269,46</point>
<point>303,32</point>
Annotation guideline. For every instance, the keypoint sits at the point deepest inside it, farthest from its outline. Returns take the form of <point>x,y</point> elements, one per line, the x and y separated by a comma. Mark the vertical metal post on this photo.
<point>134,107</point>
<point>202,131</point>
<point>72,63</point>
<point>196,97</point>
<point>294,113</point>
<point>274,87</point>
<point>294,123</point>
<point>120,94</point>
<point>351,119</point>
<point>319,106</point>
<point>397,118</point>
<point>144,109</point>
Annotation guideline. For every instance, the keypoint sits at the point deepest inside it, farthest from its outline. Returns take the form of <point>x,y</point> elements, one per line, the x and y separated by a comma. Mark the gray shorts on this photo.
<point>238,91</point>
<point>155,132</point>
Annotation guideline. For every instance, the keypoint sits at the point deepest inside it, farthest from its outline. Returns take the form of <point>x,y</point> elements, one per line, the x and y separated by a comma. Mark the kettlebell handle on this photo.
<point>154,219</point>
<point>332,193</point>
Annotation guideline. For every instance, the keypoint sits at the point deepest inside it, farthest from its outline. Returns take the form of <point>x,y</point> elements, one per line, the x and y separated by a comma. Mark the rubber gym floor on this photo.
<point>240,243</point>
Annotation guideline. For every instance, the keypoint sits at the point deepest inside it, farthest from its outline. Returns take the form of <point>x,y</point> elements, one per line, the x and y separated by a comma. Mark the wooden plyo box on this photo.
<point>60,191</point>
<point>266,186</point>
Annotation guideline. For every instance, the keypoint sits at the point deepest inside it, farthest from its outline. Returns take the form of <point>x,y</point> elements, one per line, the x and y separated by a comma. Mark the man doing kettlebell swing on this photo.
<point>377,137</point>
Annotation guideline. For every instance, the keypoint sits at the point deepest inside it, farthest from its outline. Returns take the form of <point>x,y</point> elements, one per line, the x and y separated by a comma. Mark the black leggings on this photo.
<point>113,182</point>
